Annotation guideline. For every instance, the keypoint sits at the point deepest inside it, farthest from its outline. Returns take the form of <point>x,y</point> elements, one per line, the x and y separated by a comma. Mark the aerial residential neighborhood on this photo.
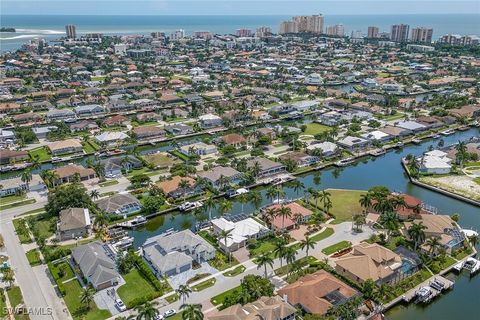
<point>298,173</point>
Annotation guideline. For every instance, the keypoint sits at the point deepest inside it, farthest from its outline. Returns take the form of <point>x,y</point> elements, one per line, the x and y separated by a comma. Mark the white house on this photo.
<point>327,148</point>
<point>313,79</point>
<point>209,120</point>
<point>200,148</point>
<point>241,232</point>
<point>434,162</point>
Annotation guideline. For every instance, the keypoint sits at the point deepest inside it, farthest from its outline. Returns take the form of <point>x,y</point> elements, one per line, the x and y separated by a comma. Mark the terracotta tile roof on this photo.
<point>172,185</point>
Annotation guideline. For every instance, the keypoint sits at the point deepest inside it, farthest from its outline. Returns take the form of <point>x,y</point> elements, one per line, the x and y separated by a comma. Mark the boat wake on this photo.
<point>23,36</point>
<point>40,31</point>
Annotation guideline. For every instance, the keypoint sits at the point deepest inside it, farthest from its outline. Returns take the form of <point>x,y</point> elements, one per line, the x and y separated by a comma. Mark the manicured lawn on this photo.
<point>144,170</point>
<point>108,183</point>
<point>337,247</point>
<point>221,262</point>
<point>345,203</point>
<point>42,226</point>
<point>266,245</point>
<point>67,269</point>
<point>41,152</point>
<point>323,235</point>
<point>161,160</point>
<point>315,128</point>
<point>33,257</point>
<point>136,286</point>
<point>235,272</point>
<point>172,298</point>
<point>204,285</point>
<point>303,262</point>
<point>180,155</point>
<point>77,309</point>
<point>12,198</point>
<point>17,204</point>
<point>218,299</point>
<point>20,226</point>
<point>15,297</point>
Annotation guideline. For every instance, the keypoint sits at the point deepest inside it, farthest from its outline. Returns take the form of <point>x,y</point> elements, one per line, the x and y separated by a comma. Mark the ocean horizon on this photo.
<point>51,27</point>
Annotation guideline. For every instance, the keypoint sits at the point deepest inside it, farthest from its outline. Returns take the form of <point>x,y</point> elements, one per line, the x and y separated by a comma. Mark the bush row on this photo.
<point>148,274</point>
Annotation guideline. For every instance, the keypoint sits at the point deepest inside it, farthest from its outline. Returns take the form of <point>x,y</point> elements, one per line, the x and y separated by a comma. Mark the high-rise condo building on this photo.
<point>177,35</point>
<point>337,30</point>
<point>372,32</point>
<point>312,24</point>
<point>287,27</point>
<point>71,31</point>
<point>399,32</point>
<point>244,32</point>
<point>421,34</point>
<point>263,32</point>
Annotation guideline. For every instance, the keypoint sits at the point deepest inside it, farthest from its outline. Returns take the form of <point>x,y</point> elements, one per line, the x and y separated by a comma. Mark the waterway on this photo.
<point>368,172</point>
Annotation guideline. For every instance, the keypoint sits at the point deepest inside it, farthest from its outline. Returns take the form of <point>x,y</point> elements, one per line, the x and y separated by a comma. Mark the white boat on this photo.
<point>233,193</point>
<point>423,294</point>
<point>134,223</point>
<point>399,145</point>
<point>458,267</point>
<point>416,141</point>
<point>187,206</point>
<point>123,243</point>
<point>436,136</point>
<point>344,162</point>
<point>472,264</point>
<point>470,233</point>
<point>447,132</point>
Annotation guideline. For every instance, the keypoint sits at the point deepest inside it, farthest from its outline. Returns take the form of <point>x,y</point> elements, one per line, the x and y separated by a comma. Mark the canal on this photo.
<point>386,171</point>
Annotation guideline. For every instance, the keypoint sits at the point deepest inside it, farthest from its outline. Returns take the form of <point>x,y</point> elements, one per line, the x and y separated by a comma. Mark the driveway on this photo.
<point>182,278</point>
<point>105,299</point>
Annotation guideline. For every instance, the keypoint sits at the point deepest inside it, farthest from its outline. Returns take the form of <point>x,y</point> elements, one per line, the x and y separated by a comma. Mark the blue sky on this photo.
<point>236,7</point>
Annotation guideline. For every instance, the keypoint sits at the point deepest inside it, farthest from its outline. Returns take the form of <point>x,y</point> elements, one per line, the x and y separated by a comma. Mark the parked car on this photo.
<point>170,313</point>
<point>158,317</point>
<point>120,305</point>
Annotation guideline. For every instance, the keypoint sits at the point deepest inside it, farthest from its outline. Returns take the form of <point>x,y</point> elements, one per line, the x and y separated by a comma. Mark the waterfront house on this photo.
<point>317,293</point>
<point>179,129</point>
<point>65,115</point>
<point>84,125</point>
<point>326,149</point>
<point>171,187</point>
<point>73,223</point>
<point>119,204</point>
<point>298,215</point>
<point>369,261</point>
<point>8,156</point>
<point>89,110</point>
<point>376,135</point>
<point>434,162</point>
<point>299,158</point>
<point>173,252</point>
<point>265,308</point>
<point>208,121</point>
<point>65,146</point>
<point>214,176</point>
<point>148,133</point>
<point>97,264</point>
<point>117,120</point>
<point>233,139</point>
<point>199,148</point>
<point>15,185</point>
<point>111,137</point>
<point>412,126</point>
<point>67,173</point>
<point>353,143</point>
<point>267,167</point>
<point>241,232</point>
<point>114,166</point>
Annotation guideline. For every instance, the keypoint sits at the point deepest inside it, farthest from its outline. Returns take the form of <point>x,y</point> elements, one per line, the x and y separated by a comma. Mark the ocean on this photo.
<point>51,27</point>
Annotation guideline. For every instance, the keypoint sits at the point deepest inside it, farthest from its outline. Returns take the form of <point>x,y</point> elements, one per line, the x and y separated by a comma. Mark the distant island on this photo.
<point>3,29</point>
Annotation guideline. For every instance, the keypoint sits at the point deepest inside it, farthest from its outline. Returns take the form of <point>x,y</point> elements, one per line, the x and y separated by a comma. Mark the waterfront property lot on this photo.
<point>345,203</point>
<point>315,128</point>
<point>463,185</point>
<point>161,160</point>
<point>77,309</point>
<point>136,286</point>
<point>41,152</point>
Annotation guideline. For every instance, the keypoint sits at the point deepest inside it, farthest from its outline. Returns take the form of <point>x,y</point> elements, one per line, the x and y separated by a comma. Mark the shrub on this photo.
<point>145,270</point>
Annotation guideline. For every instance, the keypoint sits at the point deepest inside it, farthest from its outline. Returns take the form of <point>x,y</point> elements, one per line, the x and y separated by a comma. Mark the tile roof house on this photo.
<point>97,264</point>
<point>369,261</point>
<point>73,223</point>
<point>117,120</point>
<point>120,204</point>
<point>148,133</point>
<point>111,137</point>
<point>173,252</point>
<point>265,308</point>
<point>115,165</point>
<point>214,176</point>
<point>318,292</point>
<point>298,214</point>
<point>8,156</point>
<point>172,188</point>
<point>326,149</point>
<point>233,139</point>
<point>65,146</point>
<point>300,158</point>
<point>67,173</point>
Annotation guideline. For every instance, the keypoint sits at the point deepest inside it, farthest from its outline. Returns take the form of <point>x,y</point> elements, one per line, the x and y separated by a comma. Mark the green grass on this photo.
<point>345,203</point>
<point>12,198</point>
<point>42,226</point>
<point>68,272</point>
<point>218,299</point>
<point>323,235</point>
<point>393,242</point>
<point>108,183</point>
<point>180,155</point>
<point>136,286</point>
<point>77,309</point>
<point>34,211</point>
<point>17,204</point>
<point>221,262</point>
<point>204,285</point>
<point>42,153</point>
<point>33,257</point>
<point>3,305</point>
<point>337,247</point>
<point>303,262</point>
<point>15,297</point>
<point>266,245</point>
<point>235,272</point>
<point>161,160</point>
<point>90,146</point>
<point>172,298</point>
<point>97,78</point>
<point>21,229</point>
<point>315,128</point>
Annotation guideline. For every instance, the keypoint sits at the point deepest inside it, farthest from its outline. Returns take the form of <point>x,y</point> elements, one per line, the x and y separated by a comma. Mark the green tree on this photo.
<point>147,311</point>
<point>183,292</point>
<point>71,195</point>
<point>307,243</point>
<point>416,233</point>
<point>86,296</point>
<point>192,312</point>
<point>264,261</point>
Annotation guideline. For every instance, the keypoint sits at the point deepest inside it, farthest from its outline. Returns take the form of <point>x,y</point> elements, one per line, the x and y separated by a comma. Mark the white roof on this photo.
<point>374,135</point>
<point>410,125</point>
<point>241,230</point>
<point>326,146</point>
<point>209,116</point>
<point>111,136</point>
<point>436,153</point>
<point>432,162</point>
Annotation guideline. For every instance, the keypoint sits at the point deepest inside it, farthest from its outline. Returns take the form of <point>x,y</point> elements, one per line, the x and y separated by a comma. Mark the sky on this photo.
<point>235,7</point>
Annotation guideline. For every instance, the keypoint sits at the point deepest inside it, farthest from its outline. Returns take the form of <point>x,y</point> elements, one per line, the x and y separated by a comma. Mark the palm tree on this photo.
<point>256,198</point>
<point>210,204</point>
<point>390,222</point>
<point>256,169</point>
<point>147,311</point>
<point>263,261</point>
<point>325,199</point>
<point>271,193</point>
<point>284,212</point>
<point>290,254</point>
<point>365,201</point>
<point>184,185</point>
<point>183,292</point>
<point>192,312</point>
<point>359,220</point>
<point>297,186</point>
<point>279,249</point>
<point>86,296</point>
<point>242,198</point>
<point>94,194</point>
<point>473,239</point>
<point>225,235</point>
<point>225,206</point>
<point>462,153</point>
<point>8,276</point>
<point>307,244</point>
<point>26,177</point>
<point>433,243</point>
<point>416,233</point>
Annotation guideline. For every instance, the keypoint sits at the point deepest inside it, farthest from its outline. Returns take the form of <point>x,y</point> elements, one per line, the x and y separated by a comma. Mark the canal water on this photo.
<point>387,171</point>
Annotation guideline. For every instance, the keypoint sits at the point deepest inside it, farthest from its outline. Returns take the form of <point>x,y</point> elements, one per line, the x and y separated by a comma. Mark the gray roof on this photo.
<point>116,202</point>
<point>89,108</point>
<point>215,173</point>
<point>73,218</point>
<point>94,262</point>
<point>264,163</point>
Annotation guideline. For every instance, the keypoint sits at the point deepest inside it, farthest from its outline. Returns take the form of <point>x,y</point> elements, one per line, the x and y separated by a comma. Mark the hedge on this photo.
<point>56,277</point>
<point>148,274</point>
<point>141,300</point>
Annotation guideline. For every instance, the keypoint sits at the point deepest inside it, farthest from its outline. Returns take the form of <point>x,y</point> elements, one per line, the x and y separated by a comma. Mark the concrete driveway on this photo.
<point>182,278</point>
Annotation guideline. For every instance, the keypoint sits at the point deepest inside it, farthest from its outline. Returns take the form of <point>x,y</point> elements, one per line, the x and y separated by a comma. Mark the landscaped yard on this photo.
<point>238,270</point>
<point>315,128</point>
<point>21,229</point>
<point>303,262</point>
<point>108,183</point>
<point>218,299</point>
<point>12,198</point>
<point>41,152</point>
<point>60,267</point>
<point>77,309</point>
<point>336,247</point>
<point>221,262</point>
<point>345,203</point>
<point>180,155</point>
<point>90,146</point>
<point>33,257</point>
<point>323,235</point>
<point>17,204</point>
<point>42,226</point>
<point>136,286</point>
<point>161,160</point>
